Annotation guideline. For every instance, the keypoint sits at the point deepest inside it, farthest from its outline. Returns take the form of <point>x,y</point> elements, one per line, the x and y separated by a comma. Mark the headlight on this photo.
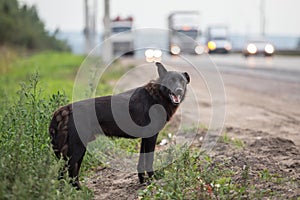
<point>153,55</point>
<point>211,45</point>
<point>199,49</point>
<point>269,49</point>
<point>149,53</point>
<point>228,46</point>
<point>175,49</point>
<point>251,48</point>
<point>157,53</point>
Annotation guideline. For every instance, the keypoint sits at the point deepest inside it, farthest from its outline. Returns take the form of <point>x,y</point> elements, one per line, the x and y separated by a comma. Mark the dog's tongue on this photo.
<point>176,99</point>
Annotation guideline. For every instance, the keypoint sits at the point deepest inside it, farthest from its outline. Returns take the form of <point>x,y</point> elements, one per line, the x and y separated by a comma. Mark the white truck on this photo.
<point>185,33</point>
<point>123,40</point>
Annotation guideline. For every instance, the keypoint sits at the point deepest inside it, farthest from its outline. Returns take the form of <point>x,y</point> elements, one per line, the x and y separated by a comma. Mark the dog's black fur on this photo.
<point>168,91</point>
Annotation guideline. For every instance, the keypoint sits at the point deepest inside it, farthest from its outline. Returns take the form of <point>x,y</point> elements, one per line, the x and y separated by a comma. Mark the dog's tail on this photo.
<point>58,130</point>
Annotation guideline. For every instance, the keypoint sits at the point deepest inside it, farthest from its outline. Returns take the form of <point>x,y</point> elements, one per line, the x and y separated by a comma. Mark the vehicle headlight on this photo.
<point>269,49</point>
<point>251,48</point>
<point>199,49</point>
<point>228,46</point>
<point>157,53</point>
<point>149,53</point>
<point>211,45</point>
<point>175,49</point>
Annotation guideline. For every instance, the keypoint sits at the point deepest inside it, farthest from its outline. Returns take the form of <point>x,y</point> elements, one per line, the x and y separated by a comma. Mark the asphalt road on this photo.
<point>279,75</point>
<point>282,68</point>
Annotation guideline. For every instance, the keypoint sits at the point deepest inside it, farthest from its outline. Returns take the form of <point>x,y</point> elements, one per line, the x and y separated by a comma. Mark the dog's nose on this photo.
<point>178,91</point>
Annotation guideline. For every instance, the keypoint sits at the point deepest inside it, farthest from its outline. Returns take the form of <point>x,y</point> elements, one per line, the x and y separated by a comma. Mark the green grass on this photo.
<point>234,141</point>
<point>56,70</point>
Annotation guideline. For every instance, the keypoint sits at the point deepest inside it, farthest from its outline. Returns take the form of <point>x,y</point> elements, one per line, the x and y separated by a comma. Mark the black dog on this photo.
<point>138,113</point>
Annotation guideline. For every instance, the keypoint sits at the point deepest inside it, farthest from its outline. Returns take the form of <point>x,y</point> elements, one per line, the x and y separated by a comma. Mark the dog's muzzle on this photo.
<point>176,97</point>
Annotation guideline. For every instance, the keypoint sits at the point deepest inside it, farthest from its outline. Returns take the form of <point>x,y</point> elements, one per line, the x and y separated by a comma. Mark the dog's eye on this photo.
<point>182,81</point>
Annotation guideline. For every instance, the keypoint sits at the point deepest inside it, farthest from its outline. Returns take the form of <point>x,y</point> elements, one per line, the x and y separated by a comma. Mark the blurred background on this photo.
<point>276,21</point>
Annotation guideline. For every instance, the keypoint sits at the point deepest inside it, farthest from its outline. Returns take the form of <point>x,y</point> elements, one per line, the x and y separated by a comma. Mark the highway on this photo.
<point>278,67</point>
<point>283,68</point>
<point>278,75</point>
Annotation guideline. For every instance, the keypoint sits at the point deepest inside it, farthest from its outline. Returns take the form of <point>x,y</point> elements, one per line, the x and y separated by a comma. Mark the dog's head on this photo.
<point>172,84</point>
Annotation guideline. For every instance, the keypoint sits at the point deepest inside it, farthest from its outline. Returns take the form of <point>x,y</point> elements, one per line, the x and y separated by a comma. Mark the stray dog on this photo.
<point>138,113</point>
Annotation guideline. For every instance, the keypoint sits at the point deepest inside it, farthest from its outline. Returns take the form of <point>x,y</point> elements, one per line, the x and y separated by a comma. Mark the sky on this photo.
<point>241,16</point>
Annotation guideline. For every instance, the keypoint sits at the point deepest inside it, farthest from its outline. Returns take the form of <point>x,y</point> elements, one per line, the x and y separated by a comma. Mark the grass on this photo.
<point>56,70</point>
<point>234,141</point>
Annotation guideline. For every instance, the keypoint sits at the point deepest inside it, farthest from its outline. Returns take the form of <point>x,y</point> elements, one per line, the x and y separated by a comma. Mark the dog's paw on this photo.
<point>76,185</point>
<point>141,177</point>
<point>150,174</point>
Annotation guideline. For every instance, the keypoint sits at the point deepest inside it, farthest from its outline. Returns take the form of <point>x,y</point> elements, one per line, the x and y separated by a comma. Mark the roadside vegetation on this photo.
<point>31,88</point>
<point>28,168</point>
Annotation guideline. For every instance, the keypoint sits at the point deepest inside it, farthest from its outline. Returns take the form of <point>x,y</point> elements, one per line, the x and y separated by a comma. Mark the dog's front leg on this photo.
<point>146,157</point>
<point>141,164</point>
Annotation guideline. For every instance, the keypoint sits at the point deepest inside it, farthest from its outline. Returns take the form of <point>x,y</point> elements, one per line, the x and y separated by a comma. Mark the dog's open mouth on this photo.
<point>176,99</point>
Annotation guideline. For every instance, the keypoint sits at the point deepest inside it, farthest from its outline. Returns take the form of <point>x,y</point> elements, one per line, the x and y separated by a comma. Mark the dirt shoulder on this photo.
<point>267,166</point>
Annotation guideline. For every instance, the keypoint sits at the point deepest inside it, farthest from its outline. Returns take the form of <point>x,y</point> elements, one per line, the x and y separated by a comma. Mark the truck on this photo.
<point>184,33</point>
<point>123,40</point>
<point>217,39</point>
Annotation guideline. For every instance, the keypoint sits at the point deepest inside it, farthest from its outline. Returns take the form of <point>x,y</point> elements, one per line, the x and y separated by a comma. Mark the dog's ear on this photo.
<point>161,69</point>
<point>187,76</point>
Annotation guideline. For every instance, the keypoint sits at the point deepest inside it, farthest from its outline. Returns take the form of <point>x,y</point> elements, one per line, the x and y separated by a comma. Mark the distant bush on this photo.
<point>21,26</point>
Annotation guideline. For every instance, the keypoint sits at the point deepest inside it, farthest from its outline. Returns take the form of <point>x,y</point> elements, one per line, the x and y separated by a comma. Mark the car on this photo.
<point>219,46</point>
<point>258,47</point>
<point>217,39</point>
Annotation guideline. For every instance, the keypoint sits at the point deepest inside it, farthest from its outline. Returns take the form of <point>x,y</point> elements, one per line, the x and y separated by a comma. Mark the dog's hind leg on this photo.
<point>74,166</point>
<point>146,158</point>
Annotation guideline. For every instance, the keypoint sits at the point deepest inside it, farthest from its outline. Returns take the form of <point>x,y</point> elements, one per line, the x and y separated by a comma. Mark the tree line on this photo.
<point>20,25</point>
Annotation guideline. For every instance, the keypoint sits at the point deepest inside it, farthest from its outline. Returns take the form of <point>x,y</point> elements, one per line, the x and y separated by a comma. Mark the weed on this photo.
<point>238,143</point>
<point>226,139</point>
<point>245,174</point>
<point>234,141</point>
<point>265,175</point>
